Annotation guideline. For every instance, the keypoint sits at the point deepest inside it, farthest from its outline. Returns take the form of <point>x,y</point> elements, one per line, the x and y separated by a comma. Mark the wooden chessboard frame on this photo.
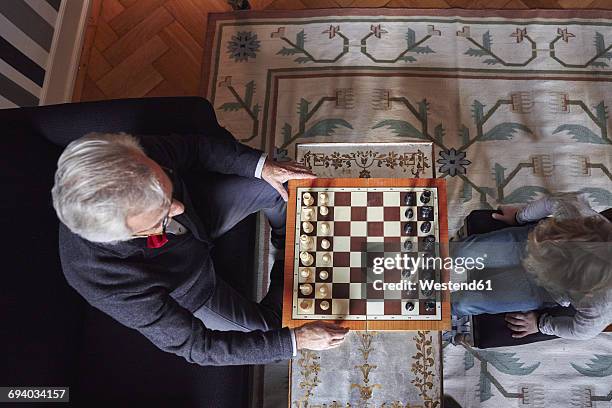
<point>443,324</point>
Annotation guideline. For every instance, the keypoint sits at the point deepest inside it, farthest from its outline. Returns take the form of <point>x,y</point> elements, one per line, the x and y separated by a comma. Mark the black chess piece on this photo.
<point>425,196</point>
<point>429,242</point>
<point>426,227</point>
<point>410,199</point>
<point>408,245</point>
<point>430,306</point>
<point>409,306</point>
<point>426,213</point>
<point>409,213</point>
<point>407,228</point>
<point>427,292</point>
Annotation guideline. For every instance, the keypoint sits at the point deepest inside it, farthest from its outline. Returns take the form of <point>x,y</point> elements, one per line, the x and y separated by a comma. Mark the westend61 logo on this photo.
<point>409,265</point>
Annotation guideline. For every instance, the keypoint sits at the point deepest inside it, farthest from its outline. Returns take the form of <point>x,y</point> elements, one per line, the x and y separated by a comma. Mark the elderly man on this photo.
<point>135,243</point>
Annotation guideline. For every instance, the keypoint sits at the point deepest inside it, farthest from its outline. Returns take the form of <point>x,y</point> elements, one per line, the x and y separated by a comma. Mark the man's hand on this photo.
<point>522,324</point>
<point>508,215</point>
<point>319,336</point>
<point>277,173</point>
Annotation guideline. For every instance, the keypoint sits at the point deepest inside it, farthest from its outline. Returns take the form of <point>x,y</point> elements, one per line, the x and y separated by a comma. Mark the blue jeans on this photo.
<point>512,287</point>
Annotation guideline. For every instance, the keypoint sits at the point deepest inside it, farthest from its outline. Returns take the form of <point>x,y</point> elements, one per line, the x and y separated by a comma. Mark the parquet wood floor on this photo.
<point>135,48</point>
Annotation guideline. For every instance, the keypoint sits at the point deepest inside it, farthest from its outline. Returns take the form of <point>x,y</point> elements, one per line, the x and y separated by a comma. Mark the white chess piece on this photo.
<point>325,244</point>
<point>324,305</point>
<point>323,198</point>
<point>326,258</point>
<point>324,228</point>
<point>307,227</point>
<point>323,290</point>
<point>324,210</point>
<point>306,258</point>
<point>305,273</point>
<point>306,242</point>
<point>308,214</point>
<point>305,304</point>
<point>306,289</point>
<point>308,199</point>
<point>323,275</point>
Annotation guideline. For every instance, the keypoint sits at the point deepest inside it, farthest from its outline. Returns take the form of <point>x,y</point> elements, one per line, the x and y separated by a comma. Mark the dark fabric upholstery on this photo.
<point>49,334</point>
<point>490,330</point>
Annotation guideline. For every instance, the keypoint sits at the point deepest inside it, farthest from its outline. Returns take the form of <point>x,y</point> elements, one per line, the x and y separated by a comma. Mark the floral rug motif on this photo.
<point>515,103</point>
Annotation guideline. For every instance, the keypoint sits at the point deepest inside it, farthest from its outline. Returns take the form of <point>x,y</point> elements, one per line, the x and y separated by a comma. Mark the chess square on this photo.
<point>340,306</point>
<point>393,307</point>
<point>423,309</point>
<point>330,275</point>
<point>341,290</point>
<point>342,244</point>
<point>306,306</point>
<point>319,310</point>
<point>355,259</point>
<point>330,242</point>
<point>393,294</point>
<point>392,275</point>
<point>309,279</point>
<point>409,244</point>
<point>376,229</point>
<point>341,259</point>
<point>323,295</point>
<point>308,214</point>
<point>325,217</point>
<point>375,241</point>
<point>375,308</point>
<point>319,259</point>
<point>425,228</point>
<point>373,293</point>
<point>342,275</point>
<point>359,229</point>
<point>359,213</point>
<point>391,213</point>
<point>392,244</point>
<point>358,244</point>
<point>342,228</point>
<point>392,229</point>
<point>330,198</point>
<point>375,198</point>
<point>407,312</point>
<point>359,199</point>
<point>408,213</point>
<point>320,228</point>
<point>342,199</point>
<point>342,213</point>
<point>391,198</point>
<point>357,275</point>
<point>355,290</point>
<point>375,213</point>
<point>357,307</point>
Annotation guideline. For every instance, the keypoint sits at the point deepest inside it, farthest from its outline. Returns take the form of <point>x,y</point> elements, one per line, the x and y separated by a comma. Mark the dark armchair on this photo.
<point>48,334</point>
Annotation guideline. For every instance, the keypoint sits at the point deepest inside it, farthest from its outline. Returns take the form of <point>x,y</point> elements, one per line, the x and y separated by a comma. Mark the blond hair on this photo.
<point>571,255</point>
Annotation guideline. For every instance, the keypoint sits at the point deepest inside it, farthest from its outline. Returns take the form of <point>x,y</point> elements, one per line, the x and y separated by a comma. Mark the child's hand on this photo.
<point>522,324</point>
<point>508,215</point>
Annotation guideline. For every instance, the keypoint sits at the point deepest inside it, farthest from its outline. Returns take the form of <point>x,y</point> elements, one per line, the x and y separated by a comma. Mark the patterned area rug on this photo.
<point>516,104</point>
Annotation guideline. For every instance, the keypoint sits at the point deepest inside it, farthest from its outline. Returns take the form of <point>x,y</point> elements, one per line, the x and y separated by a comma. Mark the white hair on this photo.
<point>571,255</point>
<point>100,181</point>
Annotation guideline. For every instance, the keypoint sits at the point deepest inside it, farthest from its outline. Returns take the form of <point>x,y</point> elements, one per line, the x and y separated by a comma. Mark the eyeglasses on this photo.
<point>164,224</point>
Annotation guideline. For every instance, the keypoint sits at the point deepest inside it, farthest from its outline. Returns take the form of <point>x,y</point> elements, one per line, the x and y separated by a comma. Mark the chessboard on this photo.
<point>336,228</point>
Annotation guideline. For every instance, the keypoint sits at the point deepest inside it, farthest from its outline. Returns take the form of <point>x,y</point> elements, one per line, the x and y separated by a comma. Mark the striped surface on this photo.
<point>26,35</point>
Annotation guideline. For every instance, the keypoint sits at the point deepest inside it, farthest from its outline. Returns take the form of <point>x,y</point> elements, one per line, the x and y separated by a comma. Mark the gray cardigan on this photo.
<point>156,291</point>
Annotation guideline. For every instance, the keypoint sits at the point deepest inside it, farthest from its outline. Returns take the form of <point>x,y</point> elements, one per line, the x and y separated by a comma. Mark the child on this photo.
<point>564,259</point>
